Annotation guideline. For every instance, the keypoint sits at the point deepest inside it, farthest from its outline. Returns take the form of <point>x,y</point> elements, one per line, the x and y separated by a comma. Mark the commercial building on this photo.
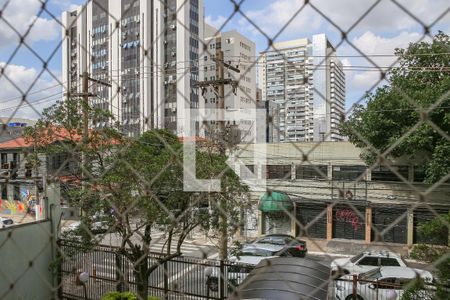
<point>306,81</point>
<point>325,192</point>
<point>13,128</point>
<point>147,50</point>
<point>238,52</point>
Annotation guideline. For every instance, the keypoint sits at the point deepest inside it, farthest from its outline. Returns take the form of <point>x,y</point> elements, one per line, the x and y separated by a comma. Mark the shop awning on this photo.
<point>275,202</point>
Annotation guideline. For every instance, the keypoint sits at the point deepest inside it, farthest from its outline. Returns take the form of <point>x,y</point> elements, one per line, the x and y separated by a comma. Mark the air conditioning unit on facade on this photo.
<point>173,26</point>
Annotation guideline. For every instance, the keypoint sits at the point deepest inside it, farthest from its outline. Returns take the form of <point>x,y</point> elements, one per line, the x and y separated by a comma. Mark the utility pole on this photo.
<point>223,218</point>
<point>85,95</point>
<point>85,107</point>
<point>219,85</point>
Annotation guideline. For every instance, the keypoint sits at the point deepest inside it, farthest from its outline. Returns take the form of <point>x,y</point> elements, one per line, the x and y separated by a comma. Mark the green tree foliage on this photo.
<point>435,231</point>
<point>420,84</point>
<point>134,185</point>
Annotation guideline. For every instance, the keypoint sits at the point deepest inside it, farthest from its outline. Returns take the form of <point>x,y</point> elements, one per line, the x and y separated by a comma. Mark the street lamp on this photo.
<point>83,277</point>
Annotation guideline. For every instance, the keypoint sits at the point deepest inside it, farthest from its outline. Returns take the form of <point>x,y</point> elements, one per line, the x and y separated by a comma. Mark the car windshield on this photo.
<point>356,257</point>
<point>276,240</point>
<point>371,275</point>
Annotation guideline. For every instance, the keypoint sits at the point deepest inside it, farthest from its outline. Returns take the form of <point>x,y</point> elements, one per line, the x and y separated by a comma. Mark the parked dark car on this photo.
<point>295,247</point>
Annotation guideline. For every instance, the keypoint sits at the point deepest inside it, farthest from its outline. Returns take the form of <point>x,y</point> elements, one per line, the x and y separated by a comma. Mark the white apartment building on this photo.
<point>239,52</point>
<point>147,50</point>
<point>306,81</point>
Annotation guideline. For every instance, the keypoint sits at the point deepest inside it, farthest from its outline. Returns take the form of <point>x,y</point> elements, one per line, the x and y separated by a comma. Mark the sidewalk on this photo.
<point>333,248</point>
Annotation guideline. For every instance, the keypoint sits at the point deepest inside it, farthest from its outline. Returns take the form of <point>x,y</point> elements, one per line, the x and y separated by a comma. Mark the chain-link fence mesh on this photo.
<point>97,186</point>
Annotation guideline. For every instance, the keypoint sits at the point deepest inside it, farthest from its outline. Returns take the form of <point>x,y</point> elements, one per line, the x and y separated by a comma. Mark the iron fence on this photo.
<point>180,278</point>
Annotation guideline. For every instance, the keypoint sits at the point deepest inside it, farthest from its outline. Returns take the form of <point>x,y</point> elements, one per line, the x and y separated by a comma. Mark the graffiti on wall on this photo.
<point>25,203</point>
<point>349,216</point>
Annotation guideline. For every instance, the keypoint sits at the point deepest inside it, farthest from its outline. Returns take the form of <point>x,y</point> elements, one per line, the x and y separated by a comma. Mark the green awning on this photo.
<point>275,202</point>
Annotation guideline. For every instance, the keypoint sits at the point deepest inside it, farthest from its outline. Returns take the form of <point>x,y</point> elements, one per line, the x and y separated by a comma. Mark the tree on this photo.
<point>420,83</point>
<point>136,185</point>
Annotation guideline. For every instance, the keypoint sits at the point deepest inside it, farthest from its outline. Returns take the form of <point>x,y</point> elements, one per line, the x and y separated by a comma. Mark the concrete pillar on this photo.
<point>260,222</point>
<point>293,221</point>
<point>10,191</point>
<point>330,172</point>
<point>293,171</point>
<point>368,175</point>
<point>410,174</point>
<point>368,225</point>
<point>410,227</point>
<point>329,222</point>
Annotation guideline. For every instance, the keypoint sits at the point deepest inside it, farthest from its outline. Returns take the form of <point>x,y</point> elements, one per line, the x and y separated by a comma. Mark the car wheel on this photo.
<point>213,284</point>
<point>350,297</point>
<point>339,273</point>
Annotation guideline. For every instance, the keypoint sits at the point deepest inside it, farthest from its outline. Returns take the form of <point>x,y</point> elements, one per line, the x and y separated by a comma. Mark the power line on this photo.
<point>33,93</point>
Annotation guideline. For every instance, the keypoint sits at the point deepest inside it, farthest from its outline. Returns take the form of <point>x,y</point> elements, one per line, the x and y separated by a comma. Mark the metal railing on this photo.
<point>180,278</point>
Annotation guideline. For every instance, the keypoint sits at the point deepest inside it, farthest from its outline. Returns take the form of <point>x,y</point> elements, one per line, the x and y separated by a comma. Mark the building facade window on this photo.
<point>348,172</point>
<point>384,173</point>
<point>4,192</point>
<point>311,172</point>
<point>278,171</point>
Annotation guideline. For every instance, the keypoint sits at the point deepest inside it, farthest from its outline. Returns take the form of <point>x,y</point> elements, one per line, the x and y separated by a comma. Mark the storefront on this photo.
<point>391,223</point>
<point>275,209</point>
<point>349,222</point>
<point>313,220</point>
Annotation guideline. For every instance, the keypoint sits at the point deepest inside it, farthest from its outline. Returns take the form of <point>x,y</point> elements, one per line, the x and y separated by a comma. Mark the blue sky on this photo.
<point>386,27</point>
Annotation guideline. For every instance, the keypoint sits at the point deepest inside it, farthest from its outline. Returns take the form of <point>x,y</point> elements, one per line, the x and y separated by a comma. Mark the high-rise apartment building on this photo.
<point>239,52</point>
<point>306,81</point>
<point>148,50</point>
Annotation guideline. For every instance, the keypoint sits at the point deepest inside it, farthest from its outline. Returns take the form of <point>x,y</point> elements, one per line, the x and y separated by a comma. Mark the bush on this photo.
<point>119,296</point>
<point>124,296</point>
<point>426,253</point>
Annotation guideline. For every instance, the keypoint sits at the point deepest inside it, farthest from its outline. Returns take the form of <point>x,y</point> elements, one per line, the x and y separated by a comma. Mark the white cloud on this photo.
<point>17,81</point>
<point>358,82</point>
<point>385,16</point>
<point>66,4</point>
<point>20,15</point>
<point>370,43</point>
<point>273,17</point>
<point>216,22</point>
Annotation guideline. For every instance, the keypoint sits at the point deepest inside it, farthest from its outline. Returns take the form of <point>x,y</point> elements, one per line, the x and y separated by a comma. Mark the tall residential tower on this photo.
<point>239,52</point>
<point>306,81</point>
<point>148,50</point>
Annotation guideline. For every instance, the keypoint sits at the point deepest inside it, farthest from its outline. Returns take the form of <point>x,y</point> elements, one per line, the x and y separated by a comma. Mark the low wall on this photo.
<point>25,258</point>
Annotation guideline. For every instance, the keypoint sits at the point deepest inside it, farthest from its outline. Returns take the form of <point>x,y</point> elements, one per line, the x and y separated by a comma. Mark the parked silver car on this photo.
<point>241,265</point>
<point>382,283</point>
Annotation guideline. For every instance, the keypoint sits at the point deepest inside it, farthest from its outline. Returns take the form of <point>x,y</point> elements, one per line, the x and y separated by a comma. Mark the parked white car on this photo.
<point>96,227</point>
<point>366,261</point>
<point>6,222</point>
<point>383,283</point>
<point>242,265</point>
